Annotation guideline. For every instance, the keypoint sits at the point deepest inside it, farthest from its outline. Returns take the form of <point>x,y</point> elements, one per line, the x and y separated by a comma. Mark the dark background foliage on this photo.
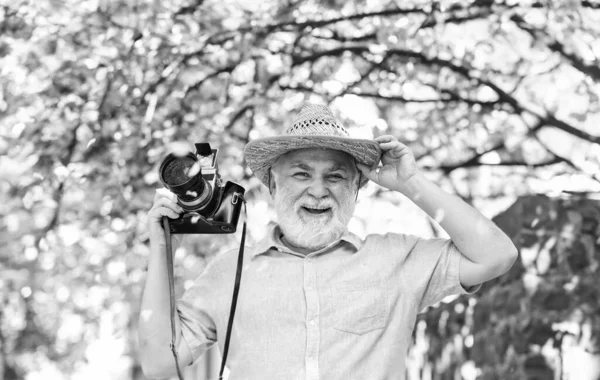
<point>538,321</point>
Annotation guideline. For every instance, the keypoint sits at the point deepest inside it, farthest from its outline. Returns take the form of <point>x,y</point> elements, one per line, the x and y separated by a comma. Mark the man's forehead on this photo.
<point>311,157</point>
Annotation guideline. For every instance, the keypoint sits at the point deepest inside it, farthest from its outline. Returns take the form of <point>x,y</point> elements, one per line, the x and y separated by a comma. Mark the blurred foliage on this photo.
<point>541,320</point>
<point>496,98</point>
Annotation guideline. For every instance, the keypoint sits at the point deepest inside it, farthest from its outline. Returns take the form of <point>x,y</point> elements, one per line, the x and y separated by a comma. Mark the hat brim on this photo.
<point>260,154</point>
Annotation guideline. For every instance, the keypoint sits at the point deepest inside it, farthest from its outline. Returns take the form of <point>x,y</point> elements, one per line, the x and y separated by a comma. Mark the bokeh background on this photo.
<point>498,99</point>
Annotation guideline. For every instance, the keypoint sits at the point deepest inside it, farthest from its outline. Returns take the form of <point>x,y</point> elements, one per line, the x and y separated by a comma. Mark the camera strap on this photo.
<point>234,298</point>
<point>173,307</point>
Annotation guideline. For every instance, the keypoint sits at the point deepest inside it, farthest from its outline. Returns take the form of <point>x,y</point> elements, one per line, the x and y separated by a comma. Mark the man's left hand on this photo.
<point>398,164</point>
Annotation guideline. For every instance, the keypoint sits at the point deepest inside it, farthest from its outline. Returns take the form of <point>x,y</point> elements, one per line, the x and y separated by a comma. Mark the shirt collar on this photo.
<point>273,240</point>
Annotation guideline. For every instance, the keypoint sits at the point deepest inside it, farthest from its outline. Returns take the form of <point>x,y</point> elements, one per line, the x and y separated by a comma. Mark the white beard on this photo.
<point>312,231</point>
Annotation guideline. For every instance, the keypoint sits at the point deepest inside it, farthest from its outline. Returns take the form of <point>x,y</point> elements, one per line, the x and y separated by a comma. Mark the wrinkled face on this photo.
<point>314,192</point>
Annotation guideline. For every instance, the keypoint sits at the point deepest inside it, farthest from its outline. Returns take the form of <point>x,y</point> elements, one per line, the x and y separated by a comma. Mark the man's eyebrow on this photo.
<point>334,167</point>
<point>338,166</point>
<point>300,165</point>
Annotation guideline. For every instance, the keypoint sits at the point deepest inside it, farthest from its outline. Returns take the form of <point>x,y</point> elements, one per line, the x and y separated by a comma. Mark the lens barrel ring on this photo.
<point>200,201</point>
<point>193,192</point>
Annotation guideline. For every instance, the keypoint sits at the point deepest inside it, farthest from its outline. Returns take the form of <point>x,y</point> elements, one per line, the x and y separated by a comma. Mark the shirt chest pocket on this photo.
<point>360,306</point>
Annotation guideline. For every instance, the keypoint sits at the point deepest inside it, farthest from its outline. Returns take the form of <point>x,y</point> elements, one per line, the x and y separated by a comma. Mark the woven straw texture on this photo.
<point>316,120</point>
<point>314,127</point>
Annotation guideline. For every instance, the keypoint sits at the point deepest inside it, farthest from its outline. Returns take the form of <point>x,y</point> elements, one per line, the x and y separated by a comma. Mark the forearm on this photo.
<point>154,320</point>
<point>477,237</point>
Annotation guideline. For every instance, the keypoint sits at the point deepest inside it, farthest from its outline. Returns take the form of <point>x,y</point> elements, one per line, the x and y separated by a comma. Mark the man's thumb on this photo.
<point>365,170</point>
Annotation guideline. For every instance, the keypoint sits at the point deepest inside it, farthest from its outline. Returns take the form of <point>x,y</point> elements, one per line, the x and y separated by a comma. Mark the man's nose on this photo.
<point>318,188</point>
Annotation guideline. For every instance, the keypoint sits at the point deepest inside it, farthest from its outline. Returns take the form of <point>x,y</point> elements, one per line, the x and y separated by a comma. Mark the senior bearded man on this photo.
<point>316,301</point>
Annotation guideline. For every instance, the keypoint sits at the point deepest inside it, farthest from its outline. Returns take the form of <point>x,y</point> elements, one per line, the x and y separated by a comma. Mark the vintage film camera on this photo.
<point>210,207</point>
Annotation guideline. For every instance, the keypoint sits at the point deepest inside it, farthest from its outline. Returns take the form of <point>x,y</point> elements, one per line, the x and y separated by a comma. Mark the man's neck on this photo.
<point>302,250</point>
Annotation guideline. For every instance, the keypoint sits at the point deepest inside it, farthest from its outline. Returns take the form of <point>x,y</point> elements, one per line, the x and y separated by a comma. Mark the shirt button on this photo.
<point>309,287</point>
<point>312,322</point>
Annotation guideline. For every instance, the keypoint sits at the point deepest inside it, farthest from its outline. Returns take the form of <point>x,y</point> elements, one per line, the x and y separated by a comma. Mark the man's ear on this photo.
<point>358,186</point>
<point>271,182</point>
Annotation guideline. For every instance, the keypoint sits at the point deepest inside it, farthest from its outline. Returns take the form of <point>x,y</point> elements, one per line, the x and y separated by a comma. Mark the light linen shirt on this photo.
<point>344,312</point>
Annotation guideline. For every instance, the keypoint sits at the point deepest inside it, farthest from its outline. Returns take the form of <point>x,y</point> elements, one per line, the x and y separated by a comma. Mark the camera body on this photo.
<point>210,206</point>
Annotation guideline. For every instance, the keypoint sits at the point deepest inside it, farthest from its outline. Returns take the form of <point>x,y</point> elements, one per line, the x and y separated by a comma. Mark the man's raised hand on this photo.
<point>398,164</point>
<point>165,204</point>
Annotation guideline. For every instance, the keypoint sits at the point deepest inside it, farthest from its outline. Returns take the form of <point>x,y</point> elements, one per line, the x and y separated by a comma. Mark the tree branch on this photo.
<point>197,85</point>
<point>454,14</point>
<point>175,65</point>
<point>301,88</point>
<point>467,73</point>
<point>337,37</point>
<point>595,177</point>
<point>448,99</point>
<point>462,13</point>
<point>590,4</point>
<point>357,16</point>
<point>187,9</point>
<point>57,196</point>
<point>473,161</point>
<point>592,70</point>
<point>241,112</point>
<point>364,75</point>
<point>552,161</point>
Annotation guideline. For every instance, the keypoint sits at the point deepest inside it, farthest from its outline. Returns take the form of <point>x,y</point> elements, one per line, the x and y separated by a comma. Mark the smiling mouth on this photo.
<point>316,211</point>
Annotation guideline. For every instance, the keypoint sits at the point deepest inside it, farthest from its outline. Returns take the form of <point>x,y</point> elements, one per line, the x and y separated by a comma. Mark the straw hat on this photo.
<point>314,127</point>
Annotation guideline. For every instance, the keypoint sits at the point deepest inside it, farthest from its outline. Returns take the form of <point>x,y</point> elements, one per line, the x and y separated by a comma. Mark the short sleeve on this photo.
<point>197,309</point>
<point>435,263</point>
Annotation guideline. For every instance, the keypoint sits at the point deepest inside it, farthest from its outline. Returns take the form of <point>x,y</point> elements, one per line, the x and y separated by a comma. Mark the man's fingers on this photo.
<point>164,205</point>
<point>389,141</point>
<point>165,198</point>
<point>158,194</point>
<point>403,146</point>
<point>164,202</point>
<point>394,149</point>
<point>159,212</point>
<point>390,145</point>
<point>371,174</point>
<point>164,193</point>
<point>385,138</point>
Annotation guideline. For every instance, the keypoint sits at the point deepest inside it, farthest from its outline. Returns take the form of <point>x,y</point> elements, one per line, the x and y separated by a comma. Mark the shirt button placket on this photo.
<point>312,319</point>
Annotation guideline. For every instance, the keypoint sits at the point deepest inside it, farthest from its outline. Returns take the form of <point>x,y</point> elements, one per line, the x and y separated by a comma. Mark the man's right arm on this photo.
<point>154,321</point>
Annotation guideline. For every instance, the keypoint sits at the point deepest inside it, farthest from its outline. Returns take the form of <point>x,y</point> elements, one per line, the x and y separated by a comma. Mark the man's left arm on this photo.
<point>487,251</point>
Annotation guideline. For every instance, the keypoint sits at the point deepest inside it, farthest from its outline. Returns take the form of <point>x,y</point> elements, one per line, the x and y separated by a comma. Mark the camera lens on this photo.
<point>180,175</point>
<point>176,171</point>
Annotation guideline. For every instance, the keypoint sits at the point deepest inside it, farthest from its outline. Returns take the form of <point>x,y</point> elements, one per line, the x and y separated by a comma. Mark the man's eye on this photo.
<point>336,177</point>
<point>301,175</point>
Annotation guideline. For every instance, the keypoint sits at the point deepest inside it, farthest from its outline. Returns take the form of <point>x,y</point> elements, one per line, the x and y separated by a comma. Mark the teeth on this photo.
<point>316,210</point>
